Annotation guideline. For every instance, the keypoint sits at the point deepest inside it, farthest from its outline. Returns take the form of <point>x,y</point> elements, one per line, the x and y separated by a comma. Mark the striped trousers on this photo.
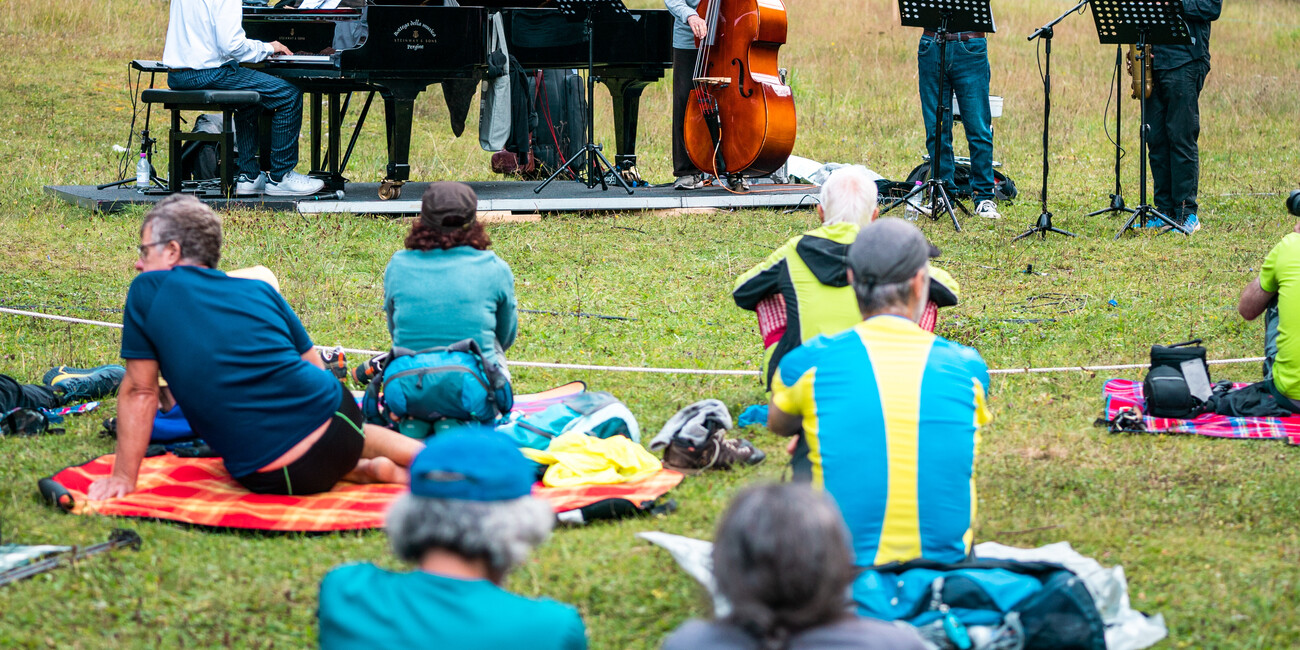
<point>278,95</point>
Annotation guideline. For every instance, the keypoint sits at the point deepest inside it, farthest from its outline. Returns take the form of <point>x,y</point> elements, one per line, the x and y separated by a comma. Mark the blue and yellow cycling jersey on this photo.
<point>892,414</point>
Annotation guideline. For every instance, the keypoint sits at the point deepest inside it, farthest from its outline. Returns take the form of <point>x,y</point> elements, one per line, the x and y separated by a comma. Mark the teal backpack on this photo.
<point>452,382</point>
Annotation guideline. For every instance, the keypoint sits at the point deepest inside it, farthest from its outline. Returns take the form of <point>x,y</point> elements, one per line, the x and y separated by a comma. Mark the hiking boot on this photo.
<point>83,384</point>
<point>245,186</point>
<point>715,453</point>
<point>688,182</point>
<point>294,184</point>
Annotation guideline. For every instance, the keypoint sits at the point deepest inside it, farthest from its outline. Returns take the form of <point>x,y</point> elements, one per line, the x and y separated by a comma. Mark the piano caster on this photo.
<point>389,190</point>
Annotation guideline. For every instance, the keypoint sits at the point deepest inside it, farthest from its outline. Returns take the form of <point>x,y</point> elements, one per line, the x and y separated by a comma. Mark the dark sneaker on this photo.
<point>715,453</point>
<point>81,384</point>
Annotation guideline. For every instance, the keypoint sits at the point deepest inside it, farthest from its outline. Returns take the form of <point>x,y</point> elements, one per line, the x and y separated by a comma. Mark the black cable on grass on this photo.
<point>1051,303</point>
<point>577,314</point>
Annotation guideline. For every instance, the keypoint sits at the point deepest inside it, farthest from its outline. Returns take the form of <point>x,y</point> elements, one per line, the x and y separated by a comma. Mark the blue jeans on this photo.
<point>277,94</point>
<point>966,72</point>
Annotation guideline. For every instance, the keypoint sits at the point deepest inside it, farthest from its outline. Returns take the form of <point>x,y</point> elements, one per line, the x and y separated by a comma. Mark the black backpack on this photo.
<point>560,100</point>
<point>1004,189</point>
<point>1166,387</point>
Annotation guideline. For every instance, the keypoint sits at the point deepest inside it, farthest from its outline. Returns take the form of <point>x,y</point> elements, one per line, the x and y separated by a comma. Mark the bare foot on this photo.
<point>378,470</point>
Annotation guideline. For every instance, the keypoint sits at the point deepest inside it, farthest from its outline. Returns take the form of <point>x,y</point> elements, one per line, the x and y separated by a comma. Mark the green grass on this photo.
<point>1205,529</point>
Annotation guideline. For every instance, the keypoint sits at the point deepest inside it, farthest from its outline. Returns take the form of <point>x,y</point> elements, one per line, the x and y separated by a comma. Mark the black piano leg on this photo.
<point>398,112</point>
<point>626,96</point>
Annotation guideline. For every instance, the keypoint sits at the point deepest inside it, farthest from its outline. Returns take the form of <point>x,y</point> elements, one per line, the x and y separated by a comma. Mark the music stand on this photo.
<point>1116,199</point>
<point>1142,22</point>
<point>1044,223</point>
<point>608,11</point>
<point>942,17</point>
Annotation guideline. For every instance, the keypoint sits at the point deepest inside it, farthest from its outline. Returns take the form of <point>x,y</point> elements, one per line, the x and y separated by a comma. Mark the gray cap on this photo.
<point>888,251</point>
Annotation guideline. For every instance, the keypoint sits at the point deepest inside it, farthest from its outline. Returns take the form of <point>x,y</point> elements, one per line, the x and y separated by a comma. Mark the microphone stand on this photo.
<point>1044,223</point>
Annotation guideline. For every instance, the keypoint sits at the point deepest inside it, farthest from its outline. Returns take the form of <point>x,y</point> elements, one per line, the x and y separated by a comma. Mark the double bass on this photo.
<point>740,118</point>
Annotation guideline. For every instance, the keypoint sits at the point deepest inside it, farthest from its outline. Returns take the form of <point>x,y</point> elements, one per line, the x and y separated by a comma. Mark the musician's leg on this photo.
<point>226,77</point>
<point>285,100</point>
<point>1183,127</point>
<point>683,76</point>
<point>1158,105</point>
<point>970,80</point>
<point>927,60</point>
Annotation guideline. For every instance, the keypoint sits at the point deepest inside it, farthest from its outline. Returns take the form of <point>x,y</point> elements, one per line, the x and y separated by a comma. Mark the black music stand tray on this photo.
<point>1044,223</point>
<point>1143,22</point>
<point>942,17</point>
<point>607,10</point>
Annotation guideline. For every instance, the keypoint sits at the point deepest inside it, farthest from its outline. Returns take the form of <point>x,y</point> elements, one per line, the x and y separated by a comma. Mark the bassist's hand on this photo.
<point>698,27</point>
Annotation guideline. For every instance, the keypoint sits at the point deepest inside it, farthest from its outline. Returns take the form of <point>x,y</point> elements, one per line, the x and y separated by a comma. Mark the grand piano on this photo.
<point>398,48</point>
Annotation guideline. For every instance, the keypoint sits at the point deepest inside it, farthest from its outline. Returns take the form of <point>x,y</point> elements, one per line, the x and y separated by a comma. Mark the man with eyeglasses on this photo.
<point>242,369</point>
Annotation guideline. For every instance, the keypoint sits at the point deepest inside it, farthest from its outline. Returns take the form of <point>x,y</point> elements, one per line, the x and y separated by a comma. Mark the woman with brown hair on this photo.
<point>446,286</point>
<point>781,558</point>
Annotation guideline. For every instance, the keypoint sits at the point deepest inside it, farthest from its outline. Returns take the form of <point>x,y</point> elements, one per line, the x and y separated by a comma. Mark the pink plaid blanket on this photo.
<point>1127,393</point>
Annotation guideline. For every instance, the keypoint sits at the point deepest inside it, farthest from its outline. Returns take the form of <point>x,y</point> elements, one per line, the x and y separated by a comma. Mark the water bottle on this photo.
<point>910,211</point>
<point>142,171</point>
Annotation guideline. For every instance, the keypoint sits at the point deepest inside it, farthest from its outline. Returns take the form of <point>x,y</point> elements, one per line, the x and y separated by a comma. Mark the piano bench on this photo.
<point>210,101</point>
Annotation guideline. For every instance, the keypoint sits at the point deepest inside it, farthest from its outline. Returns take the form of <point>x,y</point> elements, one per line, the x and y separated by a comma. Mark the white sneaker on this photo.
<point>294,184</point>
<point>688,182</point>
<point>986,208</point>
<point>940,207</point>
<point>245,187</point>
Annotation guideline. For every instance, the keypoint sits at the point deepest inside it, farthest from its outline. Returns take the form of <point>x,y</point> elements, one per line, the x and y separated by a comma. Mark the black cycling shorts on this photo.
<point>334,455</point>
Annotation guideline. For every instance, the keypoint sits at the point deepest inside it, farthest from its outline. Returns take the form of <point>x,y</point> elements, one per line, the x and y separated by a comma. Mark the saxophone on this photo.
<point>1135,75</point>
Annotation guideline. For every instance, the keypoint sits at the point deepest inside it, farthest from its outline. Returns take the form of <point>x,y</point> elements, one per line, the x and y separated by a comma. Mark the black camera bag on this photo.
<point>1165,387</point>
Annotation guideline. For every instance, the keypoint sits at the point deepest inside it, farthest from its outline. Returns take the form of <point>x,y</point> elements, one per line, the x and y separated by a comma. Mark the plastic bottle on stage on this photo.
<point>912,209</point>
<point>142,171</point>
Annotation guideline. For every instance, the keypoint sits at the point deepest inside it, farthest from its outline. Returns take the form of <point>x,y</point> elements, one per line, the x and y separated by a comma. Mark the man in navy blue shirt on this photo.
<point>242,369</point>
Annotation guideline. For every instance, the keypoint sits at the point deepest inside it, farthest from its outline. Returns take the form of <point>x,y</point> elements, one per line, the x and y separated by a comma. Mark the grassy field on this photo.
<point>1206,529</point>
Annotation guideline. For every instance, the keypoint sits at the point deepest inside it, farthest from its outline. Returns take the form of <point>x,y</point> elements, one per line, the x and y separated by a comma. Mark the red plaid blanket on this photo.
<point>199,491</point>
<point>1127,393</point>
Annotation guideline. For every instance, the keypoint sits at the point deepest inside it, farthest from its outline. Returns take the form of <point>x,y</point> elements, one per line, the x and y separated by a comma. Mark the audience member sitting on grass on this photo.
<point>447,286</point>
<point>782,561</point>
<point>1276,293</point>
<point>467,522</point>
<point>806,282</point>
<point>241,367</point>
<point>60,386</point>
<point>892,413</point>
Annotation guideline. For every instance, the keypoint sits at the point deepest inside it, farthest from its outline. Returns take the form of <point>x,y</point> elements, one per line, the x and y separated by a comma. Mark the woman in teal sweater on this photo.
<point>447,286</point>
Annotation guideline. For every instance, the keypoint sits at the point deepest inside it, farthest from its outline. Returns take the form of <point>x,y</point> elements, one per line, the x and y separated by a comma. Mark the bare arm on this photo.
<point>782,423</point>
<point>312,356</point>
<point>1254,300</point>
<point>137,403</point>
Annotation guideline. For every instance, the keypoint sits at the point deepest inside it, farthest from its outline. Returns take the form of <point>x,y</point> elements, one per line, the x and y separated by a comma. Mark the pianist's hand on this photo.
<point>278,48</point>
<point>698,26</point>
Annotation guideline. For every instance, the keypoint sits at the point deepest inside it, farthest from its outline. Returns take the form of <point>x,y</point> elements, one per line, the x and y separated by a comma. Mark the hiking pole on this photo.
<point>118,538</point>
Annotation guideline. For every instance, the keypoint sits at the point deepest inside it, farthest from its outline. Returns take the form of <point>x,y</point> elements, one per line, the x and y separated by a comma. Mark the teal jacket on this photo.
<point>438,297</point>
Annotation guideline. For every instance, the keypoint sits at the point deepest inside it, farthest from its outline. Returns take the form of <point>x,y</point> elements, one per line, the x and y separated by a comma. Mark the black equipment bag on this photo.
<point>199,160</point>
<point>1004,189</point>
<point>1166,387</point>
<point>560,99</point>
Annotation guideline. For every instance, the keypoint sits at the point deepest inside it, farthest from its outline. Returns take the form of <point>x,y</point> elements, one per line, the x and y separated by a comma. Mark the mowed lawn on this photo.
<point>1205,529</point>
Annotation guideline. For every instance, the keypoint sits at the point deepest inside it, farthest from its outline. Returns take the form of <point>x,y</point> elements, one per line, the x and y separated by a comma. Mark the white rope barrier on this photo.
<point>661,371</point>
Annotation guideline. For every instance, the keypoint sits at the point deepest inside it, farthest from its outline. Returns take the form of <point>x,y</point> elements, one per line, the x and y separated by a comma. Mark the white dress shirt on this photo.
<point>203,34</point>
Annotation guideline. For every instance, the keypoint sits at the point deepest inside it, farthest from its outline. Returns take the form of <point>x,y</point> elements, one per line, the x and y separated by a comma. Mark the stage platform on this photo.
<point>495,196</point>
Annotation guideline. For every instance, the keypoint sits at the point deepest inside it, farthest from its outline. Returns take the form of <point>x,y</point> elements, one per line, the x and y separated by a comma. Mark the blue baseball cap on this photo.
<point>478,465</point>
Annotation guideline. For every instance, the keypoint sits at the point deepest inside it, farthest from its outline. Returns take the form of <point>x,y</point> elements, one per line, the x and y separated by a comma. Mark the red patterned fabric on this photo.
<point>771,319</point>
<point>929,317</point>
<point>639,491</point>
<point>1127,393</point>
<point>199,491</point>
